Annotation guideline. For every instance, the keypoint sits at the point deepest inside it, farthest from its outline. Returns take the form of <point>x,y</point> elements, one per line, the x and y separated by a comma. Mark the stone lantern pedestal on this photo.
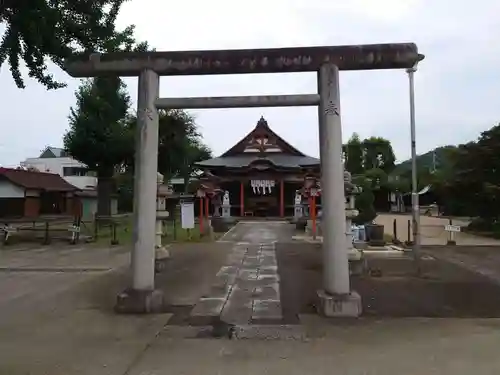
<point>222,220</point>
<point>161,252</point>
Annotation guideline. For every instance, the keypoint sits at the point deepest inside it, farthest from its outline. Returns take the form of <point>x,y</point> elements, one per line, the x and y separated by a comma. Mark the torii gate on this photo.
<point>336,297</point>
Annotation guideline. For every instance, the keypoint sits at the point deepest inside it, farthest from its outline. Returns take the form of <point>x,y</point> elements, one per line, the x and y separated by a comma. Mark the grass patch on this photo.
<point>117,230</point>
<point>172,232</point>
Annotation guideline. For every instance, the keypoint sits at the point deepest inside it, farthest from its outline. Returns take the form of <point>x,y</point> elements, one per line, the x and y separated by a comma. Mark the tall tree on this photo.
<point>354,155</point>
<point>41,30</point>
<point>98,135</point>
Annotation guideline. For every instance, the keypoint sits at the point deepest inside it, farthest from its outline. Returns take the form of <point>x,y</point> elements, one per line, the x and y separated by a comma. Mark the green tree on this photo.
<point>193,152</point>
<point>41,30</point>
<point>354,155</point>
<point>180,144</point>
<point>378,153</point>
<point>473,188</point>
<point>364,201</point>
<point>439,159</point>
<point>98,135</point>
<point>376,178</point>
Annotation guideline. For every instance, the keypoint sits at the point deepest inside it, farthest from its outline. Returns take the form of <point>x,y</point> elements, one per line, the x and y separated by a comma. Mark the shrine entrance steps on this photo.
<point>246,291</point>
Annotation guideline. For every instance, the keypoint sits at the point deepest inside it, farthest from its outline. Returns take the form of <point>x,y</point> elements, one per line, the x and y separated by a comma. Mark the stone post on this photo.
<point>142,296</point>
<point>336,299</point>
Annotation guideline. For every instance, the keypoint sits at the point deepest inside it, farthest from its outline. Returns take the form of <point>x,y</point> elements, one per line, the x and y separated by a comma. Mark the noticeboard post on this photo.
<point>452,229</point>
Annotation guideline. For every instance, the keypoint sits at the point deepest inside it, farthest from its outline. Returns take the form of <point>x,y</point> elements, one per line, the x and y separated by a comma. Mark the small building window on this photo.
<point>75,171</point>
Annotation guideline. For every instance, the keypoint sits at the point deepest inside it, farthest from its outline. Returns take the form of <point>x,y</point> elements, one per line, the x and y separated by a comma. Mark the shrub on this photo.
<point>364,204</point>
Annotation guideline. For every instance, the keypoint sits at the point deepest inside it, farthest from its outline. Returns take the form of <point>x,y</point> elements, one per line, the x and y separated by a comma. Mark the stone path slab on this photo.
<point>246,290</point>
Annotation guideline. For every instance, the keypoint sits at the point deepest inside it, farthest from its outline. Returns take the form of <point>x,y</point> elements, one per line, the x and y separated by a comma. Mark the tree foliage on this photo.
<point>371,161</point>
<point>472,186</point>
<point>370,153</point>
<point>98,135</point>
<point>439,159</point>
<point>364,201</point>
<point>464,179</point>
<point>39,31</point>
<point>354,155</point>
<point>180,144</point>
<point>378,153</point>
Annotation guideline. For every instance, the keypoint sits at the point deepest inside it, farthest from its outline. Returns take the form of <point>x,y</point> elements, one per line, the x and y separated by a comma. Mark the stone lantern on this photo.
<point>298,209</point>
<point>208,192</point>
<point>355,255</point>
<point>201,194</point>
<point>161,252</point>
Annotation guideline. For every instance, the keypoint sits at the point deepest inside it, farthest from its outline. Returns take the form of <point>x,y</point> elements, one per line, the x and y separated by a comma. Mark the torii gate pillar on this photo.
<point>336,299</point>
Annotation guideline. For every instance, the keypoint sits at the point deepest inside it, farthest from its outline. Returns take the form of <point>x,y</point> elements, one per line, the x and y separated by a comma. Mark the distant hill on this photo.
<point>438,158</point>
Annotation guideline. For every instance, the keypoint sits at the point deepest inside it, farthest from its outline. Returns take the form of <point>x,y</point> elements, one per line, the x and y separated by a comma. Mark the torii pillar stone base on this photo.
<point>339,305</point>
<point>133,301</point>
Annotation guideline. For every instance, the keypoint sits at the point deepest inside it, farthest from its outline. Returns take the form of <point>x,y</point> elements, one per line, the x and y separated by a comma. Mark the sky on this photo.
<point>457,86</point>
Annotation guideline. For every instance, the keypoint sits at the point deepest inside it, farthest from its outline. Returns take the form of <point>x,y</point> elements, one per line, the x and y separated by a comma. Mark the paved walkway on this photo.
<point>247,288</point>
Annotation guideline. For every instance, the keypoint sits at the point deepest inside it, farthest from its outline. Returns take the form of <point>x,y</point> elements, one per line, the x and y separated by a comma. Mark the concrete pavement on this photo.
<point>432,230</point>
<point>56,306</point>
<point>375,347</point>
<point>55,321</point>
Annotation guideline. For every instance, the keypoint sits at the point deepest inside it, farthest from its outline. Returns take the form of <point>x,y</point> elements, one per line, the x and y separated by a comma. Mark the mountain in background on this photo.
<point>437,159</point>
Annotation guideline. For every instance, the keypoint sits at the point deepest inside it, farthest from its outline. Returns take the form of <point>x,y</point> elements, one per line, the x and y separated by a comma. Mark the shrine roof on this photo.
<point>278,160</point>
<point>261,145</point>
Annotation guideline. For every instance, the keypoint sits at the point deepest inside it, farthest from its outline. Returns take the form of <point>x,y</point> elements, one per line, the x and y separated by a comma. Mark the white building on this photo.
<point>55,160</point>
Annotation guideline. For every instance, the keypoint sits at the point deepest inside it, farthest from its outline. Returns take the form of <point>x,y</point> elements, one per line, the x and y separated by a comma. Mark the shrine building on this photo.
<point>261,173</point>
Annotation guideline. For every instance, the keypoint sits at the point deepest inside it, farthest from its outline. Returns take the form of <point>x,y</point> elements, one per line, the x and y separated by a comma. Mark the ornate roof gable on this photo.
<point>262,140</point>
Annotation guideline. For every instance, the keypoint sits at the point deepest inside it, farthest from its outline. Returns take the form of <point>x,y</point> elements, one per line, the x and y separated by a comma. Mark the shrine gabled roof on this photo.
<point>261,146</point>
<point>278,160</point>
<point>262,138</point>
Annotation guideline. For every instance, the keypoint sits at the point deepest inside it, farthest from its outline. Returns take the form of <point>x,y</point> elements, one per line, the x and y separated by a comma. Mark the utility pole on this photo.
<point>414,188</point>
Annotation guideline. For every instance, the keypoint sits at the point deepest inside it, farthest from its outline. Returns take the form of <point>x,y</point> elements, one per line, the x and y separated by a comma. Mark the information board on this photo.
<point>187,215</point>
<point>452,228</point>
